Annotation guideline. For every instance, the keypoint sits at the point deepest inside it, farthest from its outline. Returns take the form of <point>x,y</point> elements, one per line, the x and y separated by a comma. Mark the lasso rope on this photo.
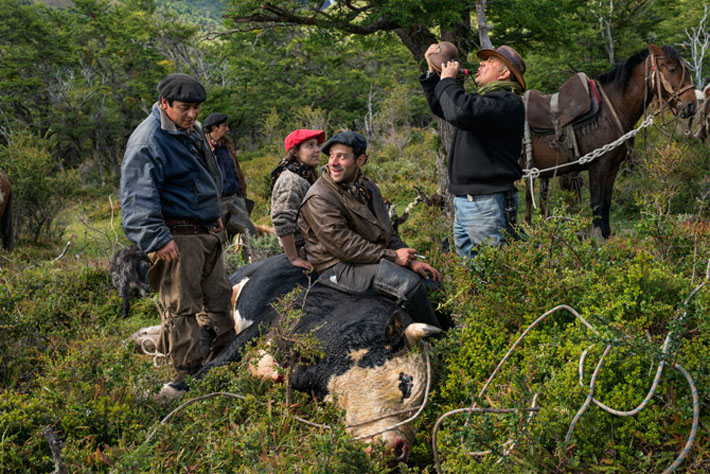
<point>590,396</point>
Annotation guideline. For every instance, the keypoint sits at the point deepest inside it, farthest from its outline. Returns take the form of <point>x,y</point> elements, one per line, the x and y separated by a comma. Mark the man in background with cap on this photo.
<point>170,188</point>
<point>349,238</point>
<point>235,214</point>
<point>488,132</point>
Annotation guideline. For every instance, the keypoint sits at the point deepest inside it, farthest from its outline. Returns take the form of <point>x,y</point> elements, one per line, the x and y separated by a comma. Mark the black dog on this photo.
<point>129,274</point>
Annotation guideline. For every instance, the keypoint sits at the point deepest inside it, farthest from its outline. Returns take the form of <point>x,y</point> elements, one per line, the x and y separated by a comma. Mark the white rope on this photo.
<point>590,396</point>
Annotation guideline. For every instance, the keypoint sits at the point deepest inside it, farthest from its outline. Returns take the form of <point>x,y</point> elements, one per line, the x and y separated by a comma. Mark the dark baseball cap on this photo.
<point>352,139</point>
<point>183,88</point>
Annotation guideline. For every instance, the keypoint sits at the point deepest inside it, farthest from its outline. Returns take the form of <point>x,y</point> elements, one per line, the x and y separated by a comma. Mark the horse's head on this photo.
<point>671,78</point>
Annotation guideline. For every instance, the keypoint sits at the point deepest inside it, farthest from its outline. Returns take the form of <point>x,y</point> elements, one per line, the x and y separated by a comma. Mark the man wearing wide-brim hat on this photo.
<point>488,131</point>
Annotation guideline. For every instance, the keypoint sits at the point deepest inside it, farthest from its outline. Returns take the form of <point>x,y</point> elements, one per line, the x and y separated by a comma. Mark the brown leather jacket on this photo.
<point>337,228</point>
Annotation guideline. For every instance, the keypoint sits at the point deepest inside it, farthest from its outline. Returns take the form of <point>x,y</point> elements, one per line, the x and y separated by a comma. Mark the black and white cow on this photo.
<point>367,366</point>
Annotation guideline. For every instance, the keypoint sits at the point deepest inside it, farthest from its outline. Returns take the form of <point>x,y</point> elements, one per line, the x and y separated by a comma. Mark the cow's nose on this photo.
<point>399,448</point>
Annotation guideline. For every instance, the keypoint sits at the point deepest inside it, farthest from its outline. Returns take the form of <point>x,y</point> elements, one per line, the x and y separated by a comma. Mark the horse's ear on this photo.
<point>655,49</point>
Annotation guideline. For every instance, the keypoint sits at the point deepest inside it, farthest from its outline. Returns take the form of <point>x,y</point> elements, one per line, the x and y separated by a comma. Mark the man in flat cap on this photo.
<point>170,188</point>
<point>235,214</point>
<point>349,238</point>
<point>488,133</point>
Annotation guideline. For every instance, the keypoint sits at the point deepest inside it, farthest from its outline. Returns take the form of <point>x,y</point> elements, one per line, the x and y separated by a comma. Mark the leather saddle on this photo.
<point>577,102</point>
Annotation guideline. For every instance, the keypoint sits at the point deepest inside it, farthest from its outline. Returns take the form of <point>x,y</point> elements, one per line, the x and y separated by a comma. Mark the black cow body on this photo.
<point>343,323</point>
<point>365,341</point>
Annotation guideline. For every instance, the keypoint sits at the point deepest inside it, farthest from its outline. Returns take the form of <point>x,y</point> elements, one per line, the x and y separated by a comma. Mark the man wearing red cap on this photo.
<point>488,132</point>
<point>290,181</point>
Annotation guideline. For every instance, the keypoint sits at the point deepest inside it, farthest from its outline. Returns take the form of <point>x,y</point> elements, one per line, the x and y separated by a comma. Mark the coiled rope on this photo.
<point>590,395</point>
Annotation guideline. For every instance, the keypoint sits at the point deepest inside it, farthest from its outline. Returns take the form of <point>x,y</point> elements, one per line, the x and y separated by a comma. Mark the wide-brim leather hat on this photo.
<point>509,57</point>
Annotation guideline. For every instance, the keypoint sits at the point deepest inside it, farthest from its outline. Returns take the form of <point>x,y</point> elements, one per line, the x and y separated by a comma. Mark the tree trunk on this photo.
<point>483,26</point>
<point>446,133</point>
<point>417,39</point>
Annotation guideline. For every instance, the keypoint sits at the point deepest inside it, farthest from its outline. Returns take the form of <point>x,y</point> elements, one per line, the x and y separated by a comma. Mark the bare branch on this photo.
<point>699,43</point>
<point>274,14</point>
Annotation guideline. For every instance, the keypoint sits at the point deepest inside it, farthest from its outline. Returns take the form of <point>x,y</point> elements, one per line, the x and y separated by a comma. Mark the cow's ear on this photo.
<point>394,329</point>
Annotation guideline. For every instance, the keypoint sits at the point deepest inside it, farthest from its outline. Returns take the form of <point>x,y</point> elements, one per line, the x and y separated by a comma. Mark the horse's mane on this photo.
<point>622,72</point>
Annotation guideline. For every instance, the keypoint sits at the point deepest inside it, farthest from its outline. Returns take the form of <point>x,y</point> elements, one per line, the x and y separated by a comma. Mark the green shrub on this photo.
<point>41,189</point>
<point>626,294</point>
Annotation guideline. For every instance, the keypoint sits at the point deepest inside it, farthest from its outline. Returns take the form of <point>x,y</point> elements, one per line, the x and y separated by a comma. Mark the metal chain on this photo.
<point>532,173</point>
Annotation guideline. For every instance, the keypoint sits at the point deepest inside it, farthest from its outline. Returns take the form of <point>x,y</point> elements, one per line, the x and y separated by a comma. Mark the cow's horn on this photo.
<point>416,331</point>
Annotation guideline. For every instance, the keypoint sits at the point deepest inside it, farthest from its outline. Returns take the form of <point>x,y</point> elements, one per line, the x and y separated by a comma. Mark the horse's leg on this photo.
<point>6,226</point>
<point>528,201</point>
<point>608,190</point>
<point>597,174</point>
<point>602,175</point>
<point>545,197</point>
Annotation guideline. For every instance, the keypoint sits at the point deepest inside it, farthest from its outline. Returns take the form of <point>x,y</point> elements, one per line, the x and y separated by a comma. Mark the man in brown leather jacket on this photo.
<point>349,238</point>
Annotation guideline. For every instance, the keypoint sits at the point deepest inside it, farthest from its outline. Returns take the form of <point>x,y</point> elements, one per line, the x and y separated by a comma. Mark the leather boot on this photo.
<point>418,305</point>
<point>219,343</point>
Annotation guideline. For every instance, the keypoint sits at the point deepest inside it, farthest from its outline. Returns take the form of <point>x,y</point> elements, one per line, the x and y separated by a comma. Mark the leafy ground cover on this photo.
<point>65,363</point>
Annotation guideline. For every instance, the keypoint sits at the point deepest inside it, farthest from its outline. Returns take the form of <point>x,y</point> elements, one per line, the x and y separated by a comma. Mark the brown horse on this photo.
<point>625,93</point>
<point>5,212</point>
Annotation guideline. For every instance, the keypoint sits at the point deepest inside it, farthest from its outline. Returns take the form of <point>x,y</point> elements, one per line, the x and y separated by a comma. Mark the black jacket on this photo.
<point>488,136</point>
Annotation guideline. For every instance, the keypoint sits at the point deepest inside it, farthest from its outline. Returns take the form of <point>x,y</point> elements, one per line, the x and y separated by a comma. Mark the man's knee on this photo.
<point>395,280</point>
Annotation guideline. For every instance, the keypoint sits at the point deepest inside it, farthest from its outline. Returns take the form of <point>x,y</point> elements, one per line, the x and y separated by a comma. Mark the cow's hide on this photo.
<point>365,339</point>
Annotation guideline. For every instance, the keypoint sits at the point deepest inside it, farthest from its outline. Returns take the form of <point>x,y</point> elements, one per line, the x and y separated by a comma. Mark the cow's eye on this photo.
<point>405,385</point>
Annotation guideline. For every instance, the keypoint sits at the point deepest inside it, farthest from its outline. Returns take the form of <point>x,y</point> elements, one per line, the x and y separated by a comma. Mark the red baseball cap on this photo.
<point>301,135</point>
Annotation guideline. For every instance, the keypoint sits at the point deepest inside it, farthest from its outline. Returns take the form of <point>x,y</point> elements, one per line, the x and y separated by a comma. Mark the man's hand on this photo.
<point>218,228</point>
<point>405,256</point>
<point>168,252</point>
<point>424,269</point>
<point>433,49</point>
<point>299,262</point>
<point>450,69</point>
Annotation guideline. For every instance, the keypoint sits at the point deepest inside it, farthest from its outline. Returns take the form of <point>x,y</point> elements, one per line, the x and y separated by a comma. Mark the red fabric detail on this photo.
<point>593,85</point>
<point>301,135</point>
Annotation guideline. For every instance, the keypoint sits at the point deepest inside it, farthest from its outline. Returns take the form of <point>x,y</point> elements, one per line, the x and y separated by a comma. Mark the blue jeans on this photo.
<point>479,220</point>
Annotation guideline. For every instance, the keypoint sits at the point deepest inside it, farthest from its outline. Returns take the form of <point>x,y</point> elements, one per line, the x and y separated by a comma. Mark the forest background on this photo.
<point>77,78</point>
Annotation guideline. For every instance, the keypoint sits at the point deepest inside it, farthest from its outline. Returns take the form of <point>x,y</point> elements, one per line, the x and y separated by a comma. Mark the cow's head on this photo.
<point>368,394</point>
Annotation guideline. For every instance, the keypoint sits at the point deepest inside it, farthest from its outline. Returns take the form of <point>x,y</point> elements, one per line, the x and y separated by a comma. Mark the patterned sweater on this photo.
<point>286,198</point>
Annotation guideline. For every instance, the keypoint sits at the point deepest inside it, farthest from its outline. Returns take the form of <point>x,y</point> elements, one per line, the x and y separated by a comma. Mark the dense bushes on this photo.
<point>626,293</point>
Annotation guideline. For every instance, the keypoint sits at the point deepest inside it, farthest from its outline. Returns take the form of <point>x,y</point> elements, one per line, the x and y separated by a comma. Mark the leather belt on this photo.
<point>185,227</point>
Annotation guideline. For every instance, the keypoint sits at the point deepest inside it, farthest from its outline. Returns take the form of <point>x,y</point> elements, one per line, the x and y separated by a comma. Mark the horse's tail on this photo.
<point>6,230</point>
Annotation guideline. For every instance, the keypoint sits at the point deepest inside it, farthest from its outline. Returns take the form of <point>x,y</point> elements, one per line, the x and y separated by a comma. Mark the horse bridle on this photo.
<point>673,95</point>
